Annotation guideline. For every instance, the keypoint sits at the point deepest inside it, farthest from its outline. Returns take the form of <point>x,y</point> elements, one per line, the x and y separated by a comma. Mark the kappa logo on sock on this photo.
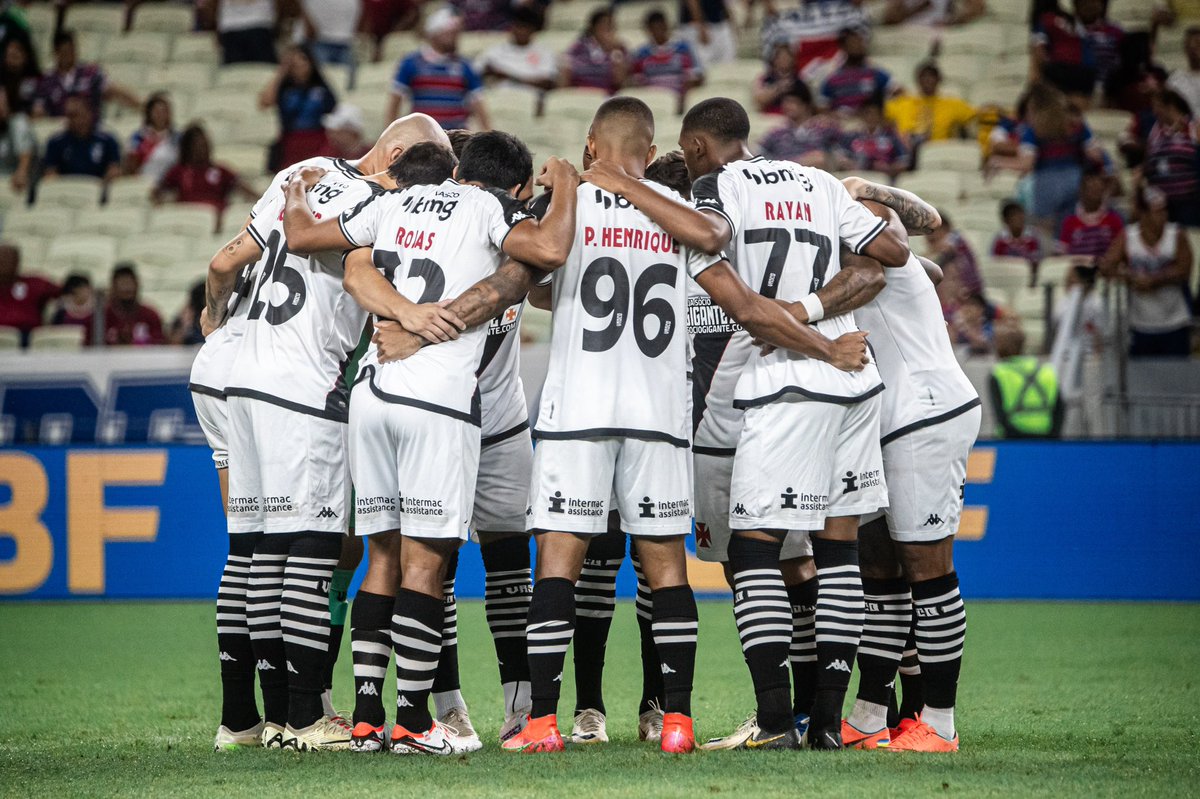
<point>402,701</point>
<point>368,689</point>
<point>291,668</point>
<point>784,665</point>
<point>265,665</point>
<point>228,657</point>
<point>327,513</point>
<point>558,678</point>
<point>668,670</point>
<point>838,665</point>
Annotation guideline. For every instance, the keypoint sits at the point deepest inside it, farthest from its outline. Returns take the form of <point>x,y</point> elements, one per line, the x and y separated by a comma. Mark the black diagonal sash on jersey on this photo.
<point>492,345</point>
<point>708,352</point>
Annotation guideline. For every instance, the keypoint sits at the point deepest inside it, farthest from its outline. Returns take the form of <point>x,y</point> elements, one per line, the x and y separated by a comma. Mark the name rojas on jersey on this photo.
<point>788,223</point>
<point>618,360</point>
<point>434,243</point>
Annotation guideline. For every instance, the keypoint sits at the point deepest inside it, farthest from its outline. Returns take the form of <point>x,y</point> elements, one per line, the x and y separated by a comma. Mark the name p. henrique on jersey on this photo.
<point>434,243</point>
<point>618,355</point>
<point>788,222</point>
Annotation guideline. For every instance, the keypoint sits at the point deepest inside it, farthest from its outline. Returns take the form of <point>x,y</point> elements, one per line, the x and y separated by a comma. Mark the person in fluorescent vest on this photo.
<point>1024,391</point>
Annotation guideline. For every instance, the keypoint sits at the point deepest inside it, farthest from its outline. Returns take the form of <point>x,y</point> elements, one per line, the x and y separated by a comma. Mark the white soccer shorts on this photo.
<point>414,470</point>
<point>713,476</point>
<point>575,482</point>
<point>800,461</point>
<point>213,415</point>
<point>287,470</point>
<point>502,488</point>
<point>926,470</point>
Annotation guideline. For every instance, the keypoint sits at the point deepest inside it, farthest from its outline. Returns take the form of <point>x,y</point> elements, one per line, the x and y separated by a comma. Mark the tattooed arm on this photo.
<point>223,270</point>
<point>919,217</point>
<point>859,281</point>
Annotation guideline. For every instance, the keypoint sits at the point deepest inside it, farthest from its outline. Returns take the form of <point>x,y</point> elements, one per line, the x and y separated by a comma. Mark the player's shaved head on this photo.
<point>624,124</point>
<point>401,134</point>
<point>720,118</point>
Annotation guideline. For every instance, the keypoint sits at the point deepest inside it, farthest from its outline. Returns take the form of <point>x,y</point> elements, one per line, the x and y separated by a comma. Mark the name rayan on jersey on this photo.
<point>630,239</point>
<point>706,318</point>
<point>504,324</point>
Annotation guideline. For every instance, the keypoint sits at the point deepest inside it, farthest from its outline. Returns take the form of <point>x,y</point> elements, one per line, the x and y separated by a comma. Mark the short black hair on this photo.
<point>62,37</point>
<point>670,170</point>
<point>720,117</point>
<point>800,91</point>
<point>623,105</point>
<point>124,269</point>
<point>458,140</point>
<point>74,281</point>
<point>1009,206</point>
<point>528,16</point>
<point>426,163</point>
<point>654,16</point>
<point>596,16</point>
<point>928,66</point>
<point>496,159</point>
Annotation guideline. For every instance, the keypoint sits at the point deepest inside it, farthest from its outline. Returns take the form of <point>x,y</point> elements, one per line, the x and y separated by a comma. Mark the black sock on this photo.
<point>595,601</point>
<point>839,621</point>
<point>652,676</point>
<point>551,623</point>
<point>675,626</point>
<point>239,706</point>
<point>262,618</point>
<point>764,622</point>
<point>803,653</point>
<point>508,588</point>
<point>417,639</point>
<point>912,695</point>
<point>338,608</point>
<point>371,647</point>
<point>304,616</point>
<point>941,630</point>
<point>446,676</point>
<point>888,607</point>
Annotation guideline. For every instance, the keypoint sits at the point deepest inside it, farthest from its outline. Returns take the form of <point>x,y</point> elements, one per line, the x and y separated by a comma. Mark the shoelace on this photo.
<point>589,722</point>
<point>656,721</point>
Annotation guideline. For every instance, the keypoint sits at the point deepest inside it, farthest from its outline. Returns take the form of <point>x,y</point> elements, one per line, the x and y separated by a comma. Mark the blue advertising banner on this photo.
<point>1043,520</point>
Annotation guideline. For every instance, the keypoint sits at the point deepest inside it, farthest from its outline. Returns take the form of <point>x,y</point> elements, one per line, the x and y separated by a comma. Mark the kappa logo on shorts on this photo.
<point>851,481</point>
<point>556,503</point>
<point>739,509</point>
<point>529,510</point>
<point>647,506</point>
<point>933,519</point>
<point>327,513</point>
<point>962,490</point>
<point>789,499</point>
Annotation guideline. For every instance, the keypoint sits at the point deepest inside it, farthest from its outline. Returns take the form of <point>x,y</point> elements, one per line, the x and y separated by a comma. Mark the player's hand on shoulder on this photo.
<point>607,175</point>
<point>850,351</point>
<point>855,186</point>
<point>306,176</point>
<point>558,173</point>
<point>432,321</point>
<point>393,342</point>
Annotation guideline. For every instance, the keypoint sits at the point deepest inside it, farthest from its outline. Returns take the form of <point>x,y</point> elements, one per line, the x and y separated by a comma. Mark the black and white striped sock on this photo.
<point>764,622</point>
<point>912,693</point>
<point>304,618</point>
<point>447,691</point>
<point>595,601</point>
<point>675,625</point>
<point>551,625</point>
<point>803,652</point>
<point>508,587</point>
<point>371,648</point>
<point>417,621</point>
<point>888,606</point>
<point>652,676</point>
<point>239,707</point>
<point>941,632</point>
<point>839,622</point>
<point>263,597</point>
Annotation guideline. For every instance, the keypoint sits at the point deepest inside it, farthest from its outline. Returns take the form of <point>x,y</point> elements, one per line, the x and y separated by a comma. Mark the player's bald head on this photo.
<point>625,124</point>
<point>412,129</point>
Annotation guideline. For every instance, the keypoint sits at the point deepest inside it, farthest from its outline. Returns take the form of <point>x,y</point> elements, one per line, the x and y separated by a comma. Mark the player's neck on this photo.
<point>383,179</point>
<point>734,151</point>
<point>633,165</point>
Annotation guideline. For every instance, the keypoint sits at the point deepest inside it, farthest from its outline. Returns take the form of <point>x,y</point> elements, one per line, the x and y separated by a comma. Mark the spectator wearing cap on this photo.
<point>154,147</point>
<point>665,62</point>
<point>77,305</point>
<point>437,81</point>
<point>930,115</point>
<point>520,62</point>
<point>344,130</point>
<point>878,146</point>
<point>707,27</point>
<point>127,321</point>
<point>197,178</point>
<point>1154,259</point>
<point>69,78</point>
<point>1094,225</point>
<point>1016,239</point>
<point>806,137</point>
<point>1173,158</point>
<point>597,59</point>
<point>246,30</point>
<point>855,81</point>
<point>1185,81</point>
<point>23,298</point>
<point>776,81</point>
<point>81,148</point>
<point>301,96</point>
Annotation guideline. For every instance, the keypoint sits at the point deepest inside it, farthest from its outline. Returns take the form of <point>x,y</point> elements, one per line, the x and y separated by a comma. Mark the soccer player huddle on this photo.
<point>707,373</point>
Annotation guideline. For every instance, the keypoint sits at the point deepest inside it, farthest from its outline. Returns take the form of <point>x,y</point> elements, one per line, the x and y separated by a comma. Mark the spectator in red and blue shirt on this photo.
<point>877,147</point>
<point>68,78</point>
<point>806,138</point>
<point>301,96</point>
<point>1016,240</point>
<point>438,81</point>
<point>1173,158</point>
<point>855,82</point>
<point>597,58</point>
<point>665,63</point>
<point>1074,52</point>
<point>1094,226</point>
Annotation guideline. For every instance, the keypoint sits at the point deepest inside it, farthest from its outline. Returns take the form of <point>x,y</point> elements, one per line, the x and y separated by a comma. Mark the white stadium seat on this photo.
<point>69,191</point>
<point>57,337</point>
<point>193,220</point>
<point>137,48</point>
<point>163,18</point>
<point>10,338</point>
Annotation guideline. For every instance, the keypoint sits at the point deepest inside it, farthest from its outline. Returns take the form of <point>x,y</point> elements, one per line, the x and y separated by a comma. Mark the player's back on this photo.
<point>300,325</point>
<point>913,350</point>
<point>618,350</point>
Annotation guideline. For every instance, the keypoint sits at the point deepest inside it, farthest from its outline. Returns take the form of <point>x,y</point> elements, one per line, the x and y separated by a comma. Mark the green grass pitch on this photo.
<point>1056,700</point>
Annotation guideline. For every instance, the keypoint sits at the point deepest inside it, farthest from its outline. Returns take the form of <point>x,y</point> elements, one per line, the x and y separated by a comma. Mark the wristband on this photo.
<point>812,304</point>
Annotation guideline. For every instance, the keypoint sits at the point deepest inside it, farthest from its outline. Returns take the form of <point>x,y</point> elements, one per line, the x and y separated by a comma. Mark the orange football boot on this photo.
<point>678,738</point>
<point>854,738</point>
<point>540,735</point>
<point>923,738</point>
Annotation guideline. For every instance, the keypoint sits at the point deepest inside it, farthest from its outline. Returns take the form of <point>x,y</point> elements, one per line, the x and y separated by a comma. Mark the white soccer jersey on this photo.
<point>618,349</point>
<point>787,223</point>
<point>925,384</point>
<point>720,350</point>
<point>501,393</point>
<point>433,243</point>
<point>339,165</point>
<point>301,326</point>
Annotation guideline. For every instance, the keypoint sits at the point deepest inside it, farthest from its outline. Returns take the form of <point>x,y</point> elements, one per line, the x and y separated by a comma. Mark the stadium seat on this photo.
<point>1007,274</point>
<point>956,156</point>
<point>43,129</point>
<point>70,191</point>
<point>193,220</point>
<point>112,219</point>
<point>251,78</point>
<point>195,48</point>
<point>137,48</point>
<point>156,250</point>
<point>472,43</point>
<point>189,78</point>
<point>976,38</point>
<point>1002,91</point>
<point>570,16</point>
<point>735,76</point>
<point>33,252</point>
<point>163,18</point>
<point>93,254</point>
<point>936,187</point>
<point>398,45</point>
<point>1108,124</point>
<point>10,338</point>
<point>997,296</point>
<point>248,159</point>
<point>573,104</point>
<point>57,337</point>
<point>1035,335</point>
<point>132,191</point>
<point>1029,303</point>
<point>999,186</point>
<point>377,77</point>
<point>663,102</point>
<point>96,17</point>
<point>90,45</point>
<point>964,67</point>
<point>44,221</point>
<point>41,21</point>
